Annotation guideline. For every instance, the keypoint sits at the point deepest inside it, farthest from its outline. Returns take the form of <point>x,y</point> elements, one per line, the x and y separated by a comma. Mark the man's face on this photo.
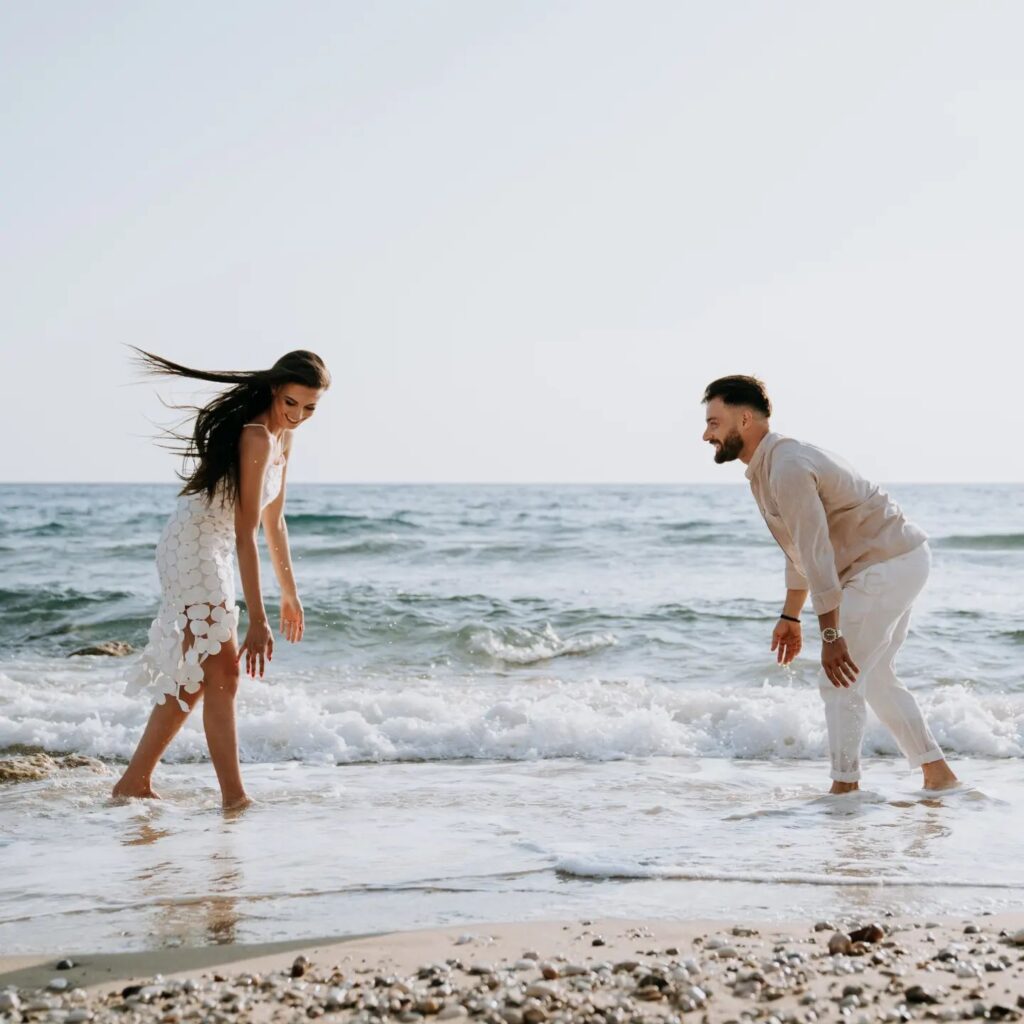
<point>722,431</point>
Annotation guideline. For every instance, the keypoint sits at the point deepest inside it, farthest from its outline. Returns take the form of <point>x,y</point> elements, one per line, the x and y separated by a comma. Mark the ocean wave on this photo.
<point>339,523</point>
<point>49,529</point>
<point>39,601</point>
<point>597,867</point>
<point>327,717</point>
<point>369,546</point>
<point>517,646</point>
<point>983,542</point>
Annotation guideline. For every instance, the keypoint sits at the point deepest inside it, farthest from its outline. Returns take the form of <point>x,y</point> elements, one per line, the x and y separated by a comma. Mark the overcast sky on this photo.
<point>523,235</point>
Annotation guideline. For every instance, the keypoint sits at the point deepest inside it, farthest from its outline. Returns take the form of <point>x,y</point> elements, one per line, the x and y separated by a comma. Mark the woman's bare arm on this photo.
<point>254,452</point>
<point>276,531</point>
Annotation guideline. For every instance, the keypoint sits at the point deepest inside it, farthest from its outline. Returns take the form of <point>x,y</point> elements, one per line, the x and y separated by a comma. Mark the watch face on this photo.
<point>830,635</point>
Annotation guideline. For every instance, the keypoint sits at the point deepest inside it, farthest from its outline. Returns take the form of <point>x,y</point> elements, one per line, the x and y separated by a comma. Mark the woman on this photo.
<point>239,450</point>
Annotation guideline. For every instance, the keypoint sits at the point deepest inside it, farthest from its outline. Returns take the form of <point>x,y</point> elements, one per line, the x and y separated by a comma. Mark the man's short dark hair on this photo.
<point>740,391</point>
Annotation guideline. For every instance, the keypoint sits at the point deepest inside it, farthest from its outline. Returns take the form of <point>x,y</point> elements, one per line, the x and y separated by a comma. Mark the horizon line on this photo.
<point>492,483</point>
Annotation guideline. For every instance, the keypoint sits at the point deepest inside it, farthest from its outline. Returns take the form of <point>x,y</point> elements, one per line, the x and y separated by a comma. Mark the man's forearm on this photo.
<point>829,620</point>
<point>795,600</point>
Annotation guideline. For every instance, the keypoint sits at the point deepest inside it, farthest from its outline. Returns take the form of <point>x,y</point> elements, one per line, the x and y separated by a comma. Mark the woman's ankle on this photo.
<point>134,787</point>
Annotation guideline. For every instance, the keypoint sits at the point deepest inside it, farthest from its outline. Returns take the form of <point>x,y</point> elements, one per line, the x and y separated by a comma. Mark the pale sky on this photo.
<point>523,235</point>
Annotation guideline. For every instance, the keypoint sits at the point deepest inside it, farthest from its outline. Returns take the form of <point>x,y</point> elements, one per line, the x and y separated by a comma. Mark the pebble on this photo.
<point>78,1016</point>
<point>916,994</point>
<point>453,1012</point>
<point>696,994</point>
<point>869,933</point>
<point>9,1002</point>
<point>300,965</point>
<point>825,926</point>
<point>1017,938</point>
<point>541,990</point>
<point>65,965</point>
<point>40,1004</point>
<point>839,944</point>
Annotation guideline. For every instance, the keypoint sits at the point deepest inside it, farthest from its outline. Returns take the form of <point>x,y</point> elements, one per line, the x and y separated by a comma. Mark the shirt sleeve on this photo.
<point>795,487</point>
<point>795,579</point>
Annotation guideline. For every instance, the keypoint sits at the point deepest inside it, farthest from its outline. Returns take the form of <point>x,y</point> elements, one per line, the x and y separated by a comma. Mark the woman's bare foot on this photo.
<point>238,805</point>
<point>124,789</point>
<point>938,775</point>
<point>844,787</point>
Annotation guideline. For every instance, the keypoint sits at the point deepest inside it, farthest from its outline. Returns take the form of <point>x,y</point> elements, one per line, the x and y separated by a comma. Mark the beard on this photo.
<point>730,449</point>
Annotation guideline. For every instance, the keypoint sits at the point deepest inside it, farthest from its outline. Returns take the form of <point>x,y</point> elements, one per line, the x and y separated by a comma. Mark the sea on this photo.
<point>511,702</point>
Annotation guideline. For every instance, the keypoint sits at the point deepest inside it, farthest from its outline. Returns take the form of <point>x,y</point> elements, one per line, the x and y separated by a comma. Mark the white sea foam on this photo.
<point>325,718</point>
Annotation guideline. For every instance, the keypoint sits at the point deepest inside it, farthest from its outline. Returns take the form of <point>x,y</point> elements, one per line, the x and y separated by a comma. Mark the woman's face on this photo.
<point>294,404</point>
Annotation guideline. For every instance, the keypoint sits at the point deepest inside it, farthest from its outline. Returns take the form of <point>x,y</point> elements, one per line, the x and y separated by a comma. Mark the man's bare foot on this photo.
<point>238,805</point>
<point>938,775</point>
<point>844,787</point>
<point>139,791</point>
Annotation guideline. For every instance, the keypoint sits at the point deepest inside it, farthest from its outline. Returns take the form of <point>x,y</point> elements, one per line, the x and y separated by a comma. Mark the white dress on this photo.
<point>195,558</point>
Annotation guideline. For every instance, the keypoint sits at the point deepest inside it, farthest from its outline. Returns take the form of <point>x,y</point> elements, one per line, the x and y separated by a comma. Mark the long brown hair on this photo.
<point>212,448</point>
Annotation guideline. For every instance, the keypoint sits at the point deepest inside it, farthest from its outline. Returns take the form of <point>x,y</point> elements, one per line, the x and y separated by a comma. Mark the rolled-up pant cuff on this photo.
<point>916,760</point>
<point>845,776</point>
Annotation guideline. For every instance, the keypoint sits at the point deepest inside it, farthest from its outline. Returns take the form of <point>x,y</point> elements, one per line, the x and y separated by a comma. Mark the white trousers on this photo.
<point>875,617</point>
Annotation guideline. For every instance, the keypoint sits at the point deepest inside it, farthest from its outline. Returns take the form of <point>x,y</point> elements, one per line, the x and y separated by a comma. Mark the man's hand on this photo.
<point>787,640</point>
<point>837,663</point>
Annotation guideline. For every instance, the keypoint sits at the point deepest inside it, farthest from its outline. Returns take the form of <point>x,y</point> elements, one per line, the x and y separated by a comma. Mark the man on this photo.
<point>849,545</point>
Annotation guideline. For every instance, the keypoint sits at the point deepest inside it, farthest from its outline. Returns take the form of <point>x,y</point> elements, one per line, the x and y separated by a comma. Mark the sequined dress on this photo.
<point>195,559</point>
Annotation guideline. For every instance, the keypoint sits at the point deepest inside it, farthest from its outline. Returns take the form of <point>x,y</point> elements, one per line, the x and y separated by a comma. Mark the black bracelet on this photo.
<point>789,618</point>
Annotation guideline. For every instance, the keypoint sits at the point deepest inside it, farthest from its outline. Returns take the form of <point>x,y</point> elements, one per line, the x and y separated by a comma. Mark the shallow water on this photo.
<point>333,850</point>
<point>511,702</point>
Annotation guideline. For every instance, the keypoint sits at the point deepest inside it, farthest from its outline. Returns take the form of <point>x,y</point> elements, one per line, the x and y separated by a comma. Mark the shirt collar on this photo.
<point>767,443</point>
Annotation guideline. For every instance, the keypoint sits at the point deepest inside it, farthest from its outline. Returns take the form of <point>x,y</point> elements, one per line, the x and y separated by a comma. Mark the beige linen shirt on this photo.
<point>829,521</point>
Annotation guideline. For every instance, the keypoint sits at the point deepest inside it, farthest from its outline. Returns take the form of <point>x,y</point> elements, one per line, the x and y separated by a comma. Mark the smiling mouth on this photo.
<point>290,420</point>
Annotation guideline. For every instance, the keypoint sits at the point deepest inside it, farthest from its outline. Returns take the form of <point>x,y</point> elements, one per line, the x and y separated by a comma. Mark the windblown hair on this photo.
<point>740,390</point>
<point>211,450</point>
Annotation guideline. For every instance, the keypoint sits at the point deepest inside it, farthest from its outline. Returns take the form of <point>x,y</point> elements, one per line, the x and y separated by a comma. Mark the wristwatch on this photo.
<point>831,635</point>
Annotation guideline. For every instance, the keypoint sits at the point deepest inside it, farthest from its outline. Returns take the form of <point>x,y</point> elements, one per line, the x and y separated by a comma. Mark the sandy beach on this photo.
<point>598,971</point>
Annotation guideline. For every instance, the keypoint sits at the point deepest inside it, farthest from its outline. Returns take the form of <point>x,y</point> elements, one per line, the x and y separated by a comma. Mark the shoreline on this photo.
<point>527,972</point>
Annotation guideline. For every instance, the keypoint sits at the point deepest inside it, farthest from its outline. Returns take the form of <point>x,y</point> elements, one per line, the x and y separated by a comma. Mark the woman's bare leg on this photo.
<point>220,690</point>
<point>163,725</point>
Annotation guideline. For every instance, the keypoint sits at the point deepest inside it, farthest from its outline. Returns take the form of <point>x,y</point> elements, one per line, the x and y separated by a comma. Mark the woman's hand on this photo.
<point>293,621</point>
<point>837,663</point>
<point>258,646</point>
<point>787,640</point>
